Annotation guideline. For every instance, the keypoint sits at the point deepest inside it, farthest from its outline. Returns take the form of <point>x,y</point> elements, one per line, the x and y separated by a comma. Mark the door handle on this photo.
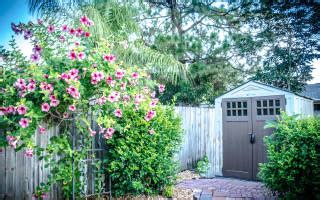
<point>252,137</point>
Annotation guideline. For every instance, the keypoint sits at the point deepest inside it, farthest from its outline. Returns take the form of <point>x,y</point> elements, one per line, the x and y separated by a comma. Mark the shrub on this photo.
<point>203,166</point>
<point>293,167</point>
<point>140,157</point>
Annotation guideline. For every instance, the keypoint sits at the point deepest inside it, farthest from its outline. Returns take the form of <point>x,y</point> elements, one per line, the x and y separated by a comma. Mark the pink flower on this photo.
<point>22,109</point>
<point>53,97</point>
<point>118,112</point>
<point>150,115</point>
<point>29,152</point>
<point>96,77</point>
<point>51,28</point>
<point>102,100</point>
<point>46,86</point>
<point>72,55</point>
<point>126,98</point>
<point>72,31</point>
<point>92,133</point>
<point>42,129</point>
<point>54,102</point>
<point>65,76</point>
<point>65,115</point>
<point>113,97</point>
<point>151,132</point>
<point>37,49</point>
<point>81,56</point>
<point>87,34</point>
<point>73,74</point>
<point>161,88</point>
<point>135,75</point>
<point>109,58</point>
<point>35,57</point>
<point>84,20</point>
<point>46,76</point>
<point>119,73</point>
<point>24,122</point>
<point>12,140</point>
<point>123,86</point>
<point>45,107</point>
<point>72,108</point>
<point>109,133</point>
<point>154,103</point>
<point>64,28</point>
<point>20,83</point>
<point>109,80</point>
<point>73,92</point>
<point>31,87</point>
<point>101,129</point>
<point>79,31</point>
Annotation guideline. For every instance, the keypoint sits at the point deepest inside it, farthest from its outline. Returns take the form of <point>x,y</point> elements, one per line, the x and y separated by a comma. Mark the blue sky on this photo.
<point>12,11</point>
<point>17,11</point>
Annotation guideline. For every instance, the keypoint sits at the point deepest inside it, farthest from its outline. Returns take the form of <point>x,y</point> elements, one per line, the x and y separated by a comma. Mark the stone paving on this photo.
<point>221,188</point>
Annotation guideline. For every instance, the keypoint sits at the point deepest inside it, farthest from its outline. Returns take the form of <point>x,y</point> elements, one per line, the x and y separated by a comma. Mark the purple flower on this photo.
<point>37,49</point>
<point>27,34</point>
<point>35,57</point>
<point>51,28</point>
<point>16,28</point>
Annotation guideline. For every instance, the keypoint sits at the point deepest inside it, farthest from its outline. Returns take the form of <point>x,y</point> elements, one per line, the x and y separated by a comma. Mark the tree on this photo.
<point>199,34</point>
<point>290,35</point>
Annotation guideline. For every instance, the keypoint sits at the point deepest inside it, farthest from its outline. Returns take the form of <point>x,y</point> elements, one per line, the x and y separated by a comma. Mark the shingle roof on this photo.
<point>312,90</point>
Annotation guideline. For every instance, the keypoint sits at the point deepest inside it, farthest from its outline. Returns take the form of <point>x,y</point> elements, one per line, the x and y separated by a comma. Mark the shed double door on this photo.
<point>243,132</point>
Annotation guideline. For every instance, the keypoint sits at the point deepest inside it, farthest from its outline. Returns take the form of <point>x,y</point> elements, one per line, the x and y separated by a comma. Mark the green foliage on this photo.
<point>139,161</point>
<point>293,167</point>
<point>168,191</point>
<point>203,166</point>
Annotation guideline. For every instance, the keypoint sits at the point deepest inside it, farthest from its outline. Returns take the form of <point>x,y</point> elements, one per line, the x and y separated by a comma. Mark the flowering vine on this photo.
<point>67,75</point>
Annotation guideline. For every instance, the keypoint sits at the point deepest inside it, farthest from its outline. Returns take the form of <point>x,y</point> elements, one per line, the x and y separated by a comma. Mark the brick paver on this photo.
<point>220,188</point>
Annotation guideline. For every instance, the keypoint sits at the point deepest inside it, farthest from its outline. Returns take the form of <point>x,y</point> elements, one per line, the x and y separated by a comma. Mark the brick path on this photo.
<point>220,188</point>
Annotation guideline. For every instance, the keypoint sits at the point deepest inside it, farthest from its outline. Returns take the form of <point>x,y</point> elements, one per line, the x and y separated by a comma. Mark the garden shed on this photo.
<point>240,116</point>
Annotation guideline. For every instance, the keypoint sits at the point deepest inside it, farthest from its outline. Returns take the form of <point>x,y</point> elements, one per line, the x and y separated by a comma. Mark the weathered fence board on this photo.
<point>199,137</point>
<point>20,175</point>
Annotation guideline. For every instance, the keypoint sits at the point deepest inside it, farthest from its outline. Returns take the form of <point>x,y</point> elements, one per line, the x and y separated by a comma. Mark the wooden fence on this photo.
<point>20,175</point>
<point>199,138</point>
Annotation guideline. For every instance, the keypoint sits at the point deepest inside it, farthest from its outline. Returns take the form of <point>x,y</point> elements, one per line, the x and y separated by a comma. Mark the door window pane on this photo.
<point>239,112</point>
<point>228,104</point>
<point>265,111</point>
<point>234,112</point>
<point>233,104</point>
<point>277,102</point>
<point>258,103</point>
<point>270,103</point>
<point>239,104</point>
<point>271,111</point>
<point>228,112</point>
<point>245,104</point>
<point>277,111</point>
<point>245,112</point>
<point>265,103</point>
<point>258,111</point>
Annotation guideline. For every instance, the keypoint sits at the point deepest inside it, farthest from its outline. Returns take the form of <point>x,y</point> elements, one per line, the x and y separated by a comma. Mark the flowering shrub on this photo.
<point>68,74</point>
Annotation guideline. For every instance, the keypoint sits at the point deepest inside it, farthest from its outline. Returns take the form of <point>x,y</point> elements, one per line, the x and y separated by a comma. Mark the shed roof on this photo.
<point>270,86</point>
<point>312,91</point>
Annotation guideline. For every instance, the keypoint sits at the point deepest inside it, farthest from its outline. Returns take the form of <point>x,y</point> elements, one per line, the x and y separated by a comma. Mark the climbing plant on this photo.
<point>68,74</point>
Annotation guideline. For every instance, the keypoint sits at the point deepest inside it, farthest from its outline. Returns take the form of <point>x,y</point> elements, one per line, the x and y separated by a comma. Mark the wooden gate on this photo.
<point>243,133</point>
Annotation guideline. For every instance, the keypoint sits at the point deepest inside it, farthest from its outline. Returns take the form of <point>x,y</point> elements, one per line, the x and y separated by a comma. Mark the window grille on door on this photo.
<point>237,108</point>
<point>268,107</point>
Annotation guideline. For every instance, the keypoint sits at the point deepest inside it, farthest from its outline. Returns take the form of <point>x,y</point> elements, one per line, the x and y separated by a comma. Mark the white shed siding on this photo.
<point>294,105</point>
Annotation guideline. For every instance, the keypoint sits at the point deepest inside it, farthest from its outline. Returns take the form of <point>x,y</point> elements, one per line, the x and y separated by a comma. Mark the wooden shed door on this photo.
<point>243,132</point>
